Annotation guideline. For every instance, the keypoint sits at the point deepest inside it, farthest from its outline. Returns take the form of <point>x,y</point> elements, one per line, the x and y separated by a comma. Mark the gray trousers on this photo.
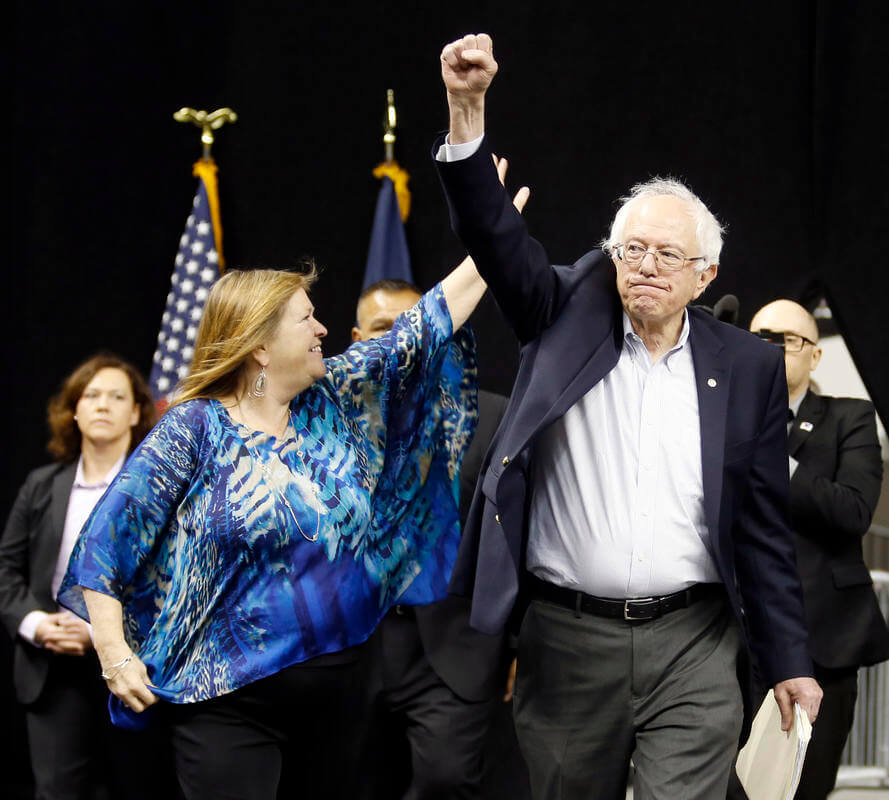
<point>592,693</point>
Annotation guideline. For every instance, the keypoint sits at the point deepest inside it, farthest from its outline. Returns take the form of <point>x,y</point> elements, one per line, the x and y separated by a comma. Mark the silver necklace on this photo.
<point>273,485</point>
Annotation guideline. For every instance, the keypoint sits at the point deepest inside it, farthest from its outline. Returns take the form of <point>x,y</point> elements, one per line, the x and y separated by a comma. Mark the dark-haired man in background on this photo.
<point>434,681</point>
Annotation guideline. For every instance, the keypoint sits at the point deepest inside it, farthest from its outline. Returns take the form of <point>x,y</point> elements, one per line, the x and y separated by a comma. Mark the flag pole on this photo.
<point>207,122</point>
<point>388,256</point>
<point>389,126</point>
<point>389,166</point>
<point>205,167</point>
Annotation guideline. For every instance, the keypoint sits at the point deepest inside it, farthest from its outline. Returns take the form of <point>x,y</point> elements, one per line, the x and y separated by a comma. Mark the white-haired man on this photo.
<point>635,492</point>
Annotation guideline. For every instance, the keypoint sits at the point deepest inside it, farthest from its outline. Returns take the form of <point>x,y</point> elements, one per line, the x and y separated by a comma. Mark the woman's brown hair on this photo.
<point>65,439</point>
<point>242,313</point>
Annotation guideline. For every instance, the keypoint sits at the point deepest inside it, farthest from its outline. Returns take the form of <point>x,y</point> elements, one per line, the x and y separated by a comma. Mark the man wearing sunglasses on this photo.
<point>836,472</point>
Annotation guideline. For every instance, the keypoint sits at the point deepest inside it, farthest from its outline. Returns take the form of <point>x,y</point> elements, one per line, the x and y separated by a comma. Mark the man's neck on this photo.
<point>658,336</point>
<point>797,393</point>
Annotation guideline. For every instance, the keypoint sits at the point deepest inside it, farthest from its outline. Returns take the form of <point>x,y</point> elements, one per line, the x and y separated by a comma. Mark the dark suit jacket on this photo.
<point>468,661</point>
<point>29,550</point>
<point>833,494</point>
<point>569,322</point>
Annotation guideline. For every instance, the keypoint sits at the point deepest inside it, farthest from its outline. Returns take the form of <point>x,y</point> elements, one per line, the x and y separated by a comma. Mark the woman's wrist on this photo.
<point>111,652</point>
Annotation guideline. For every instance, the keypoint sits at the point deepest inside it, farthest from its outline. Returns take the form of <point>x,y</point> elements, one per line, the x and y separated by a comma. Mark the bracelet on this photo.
<point>118,668</point>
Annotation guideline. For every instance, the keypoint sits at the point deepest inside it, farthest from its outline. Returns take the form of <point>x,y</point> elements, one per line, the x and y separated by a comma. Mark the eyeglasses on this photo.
<point>633,254</point>
<point>791,342</point>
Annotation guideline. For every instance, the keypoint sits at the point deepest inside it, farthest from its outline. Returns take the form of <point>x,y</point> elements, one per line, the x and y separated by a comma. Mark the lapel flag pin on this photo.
<point>711,382</point>
<point>805,426</point>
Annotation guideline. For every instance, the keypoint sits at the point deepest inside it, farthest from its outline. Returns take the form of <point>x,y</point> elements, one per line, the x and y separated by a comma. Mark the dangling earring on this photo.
<point>259,385</point>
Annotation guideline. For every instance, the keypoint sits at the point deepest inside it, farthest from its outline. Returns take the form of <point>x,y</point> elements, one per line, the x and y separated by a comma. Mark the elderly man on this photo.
<point>635,491</point>
<point>836,471</point>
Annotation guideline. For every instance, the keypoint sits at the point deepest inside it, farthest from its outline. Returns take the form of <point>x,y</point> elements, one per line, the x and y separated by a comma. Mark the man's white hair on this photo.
<point>708,231</point>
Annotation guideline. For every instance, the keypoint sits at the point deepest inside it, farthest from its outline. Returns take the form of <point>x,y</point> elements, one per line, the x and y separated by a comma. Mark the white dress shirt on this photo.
<point>617,497</point>
<point>617,504</point>
<point>81,502</point>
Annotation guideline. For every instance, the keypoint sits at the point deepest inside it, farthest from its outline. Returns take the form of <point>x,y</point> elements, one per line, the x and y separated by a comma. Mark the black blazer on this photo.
<point>471,663</point>
<point>569,322</point>
<point>833,494</point>
<point>29,550</point>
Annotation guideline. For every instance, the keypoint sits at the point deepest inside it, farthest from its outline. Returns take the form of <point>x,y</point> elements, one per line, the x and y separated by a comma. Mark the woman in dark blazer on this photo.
<point>101,413</point>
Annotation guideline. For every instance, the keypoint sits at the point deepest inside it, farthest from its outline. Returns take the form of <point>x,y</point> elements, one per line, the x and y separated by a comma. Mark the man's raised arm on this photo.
<point>467,69</point>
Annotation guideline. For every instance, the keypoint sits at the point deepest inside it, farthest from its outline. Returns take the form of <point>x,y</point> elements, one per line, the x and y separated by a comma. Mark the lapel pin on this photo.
<point>805,426</point>
<point>711,382</point>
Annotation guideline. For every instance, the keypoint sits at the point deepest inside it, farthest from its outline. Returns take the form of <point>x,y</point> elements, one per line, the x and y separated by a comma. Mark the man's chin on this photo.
<point>644,307</point>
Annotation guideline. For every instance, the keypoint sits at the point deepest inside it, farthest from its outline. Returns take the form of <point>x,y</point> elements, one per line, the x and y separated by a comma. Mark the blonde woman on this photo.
<point>270,519</point>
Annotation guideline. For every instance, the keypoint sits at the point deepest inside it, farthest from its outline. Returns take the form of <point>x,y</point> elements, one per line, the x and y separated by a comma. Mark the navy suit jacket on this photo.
<point>569,322</point>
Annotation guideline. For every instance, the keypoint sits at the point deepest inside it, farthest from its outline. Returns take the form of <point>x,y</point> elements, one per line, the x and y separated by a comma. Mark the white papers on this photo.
<point>770,764</point>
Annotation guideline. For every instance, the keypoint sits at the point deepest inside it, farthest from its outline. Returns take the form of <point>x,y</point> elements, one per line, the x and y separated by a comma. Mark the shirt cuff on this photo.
<point>793,464</point>
<point>28,626</point>
<point>458,152</point>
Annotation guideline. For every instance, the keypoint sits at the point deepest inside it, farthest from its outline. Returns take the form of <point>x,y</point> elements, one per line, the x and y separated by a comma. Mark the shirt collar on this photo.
<point>794,406</point>
<point>80,480</point>
<point>634,341</point>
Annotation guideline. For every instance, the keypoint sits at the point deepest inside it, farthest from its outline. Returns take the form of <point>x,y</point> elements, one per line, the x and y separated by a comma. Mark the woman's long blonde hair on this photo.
<point>242,312</point>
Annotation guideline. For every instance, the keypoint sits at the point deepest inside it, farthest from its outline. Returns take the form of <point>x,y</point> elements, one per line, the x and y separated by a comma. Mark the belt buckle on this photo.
<point>651,601</point>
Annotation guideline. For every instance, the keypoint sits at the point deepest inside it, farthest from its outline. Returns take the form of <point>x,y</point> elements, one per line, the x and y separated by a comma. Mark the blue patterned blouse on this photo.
<point>235,555</point>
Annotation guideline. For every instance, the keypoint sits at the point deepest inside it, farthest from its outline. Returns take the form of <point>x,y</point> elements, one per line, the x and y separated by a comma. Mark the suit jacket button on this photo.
<point>497,518</point>
<point>505,460</point>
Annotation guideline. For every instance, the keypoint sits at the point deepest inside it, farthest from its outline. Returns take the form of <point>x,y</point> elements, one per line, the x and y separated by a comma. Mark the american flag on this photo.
<point>196,268</point>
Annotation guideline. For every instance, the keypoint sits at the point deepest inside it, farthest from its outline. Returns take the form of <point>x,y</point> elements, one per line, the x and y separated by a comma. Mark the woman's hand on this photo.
<point>127,679</point>
<point>123,671</point>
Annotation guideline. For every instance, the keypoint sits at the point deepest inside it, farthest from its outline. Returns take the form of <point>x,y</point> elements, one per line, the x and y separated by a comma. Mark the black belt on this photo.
<point>633,608</point>
<point>403,611</point>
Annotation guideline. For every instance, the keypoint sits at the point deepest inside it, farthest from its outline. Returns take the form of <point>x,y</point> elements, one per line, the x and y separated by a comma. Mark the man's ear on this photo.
<point>356,335</point>
<point>705,276</point>
<point>816,357</point>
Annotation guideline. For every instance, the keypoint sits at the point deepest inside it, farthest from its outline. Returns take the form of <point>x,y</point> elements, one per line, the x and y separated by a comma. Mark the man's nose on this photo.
<point>648,265</point>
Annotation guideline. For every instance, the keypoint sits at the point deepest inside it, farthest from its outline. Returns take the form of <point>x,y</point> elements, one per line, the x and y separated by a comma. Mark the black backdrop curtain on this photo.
<point>771,111</point>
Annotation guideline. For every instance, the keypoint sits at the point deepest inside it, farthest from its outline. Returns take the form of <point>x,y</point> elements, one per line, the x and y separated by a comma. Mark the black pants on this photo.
<point>75,750</point>
<point>291,735</point>
<point>423,742</point>
<point>829,733</point>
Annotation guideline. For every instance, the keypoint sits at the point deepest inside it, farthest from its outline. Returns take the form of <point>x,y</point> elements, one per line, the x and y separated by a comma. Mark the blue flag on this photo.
<point>196,269</point>
<point>387,256</point>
